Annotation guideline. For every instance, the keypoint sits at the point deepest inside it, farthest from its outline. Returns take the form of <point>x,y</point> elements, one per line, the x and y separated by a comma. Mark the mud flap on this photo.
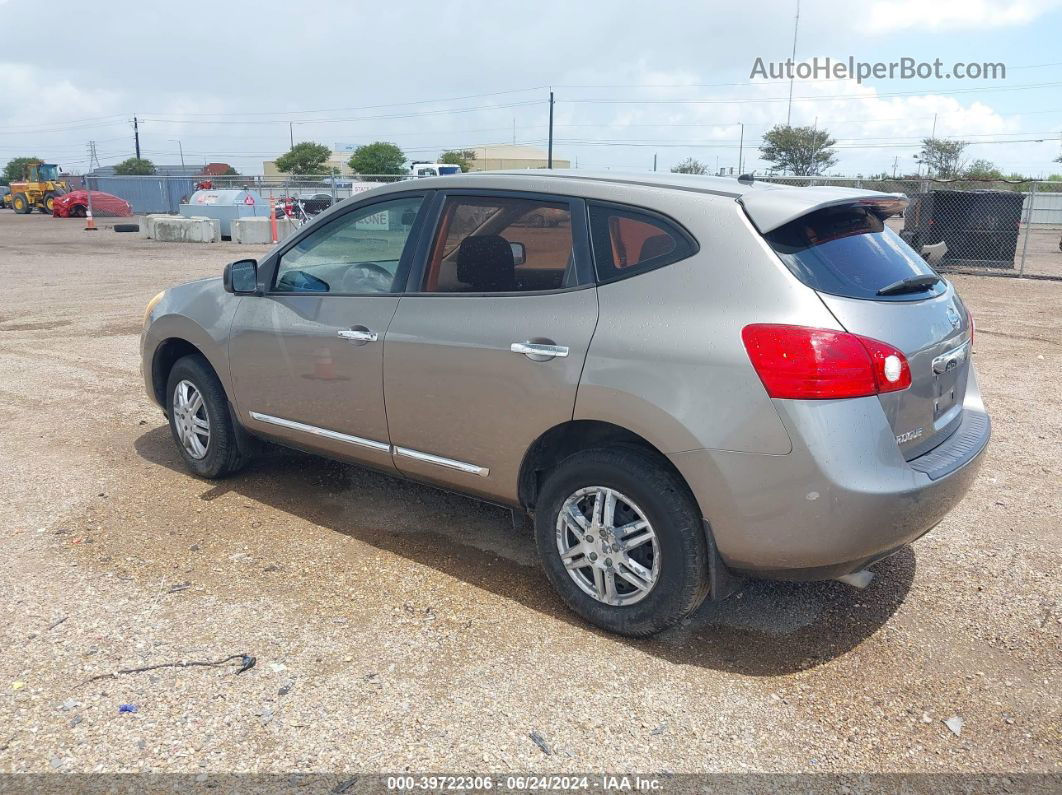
<point>722,582</point>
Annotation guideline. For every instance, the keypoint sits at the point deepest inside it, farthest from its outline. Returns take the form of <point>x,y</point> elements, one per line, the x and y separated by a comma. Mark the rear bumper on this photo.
<point>842,499</point>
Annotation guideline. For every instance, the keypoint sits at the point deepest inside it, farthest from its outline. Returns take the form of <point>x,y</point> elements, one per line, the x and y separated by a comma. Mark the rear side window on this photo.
<point>501,244</point>
<point>627,242</point>
<point>850,252</point>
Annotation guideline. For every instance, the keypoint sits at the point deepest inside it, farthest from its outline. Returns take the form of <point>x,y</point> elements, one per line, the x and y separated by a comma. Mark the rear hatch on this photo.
<point>877,286</point>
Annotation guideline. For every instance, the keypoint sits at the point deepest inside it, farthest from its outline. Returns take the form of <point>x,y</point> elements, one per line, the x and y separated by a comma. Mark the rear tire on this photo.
<point>49,201</point>
<point>77,211</point>
<point>655,581</point>
<point>127,227</point>
<point>200,421</point>
<point>20,204</point>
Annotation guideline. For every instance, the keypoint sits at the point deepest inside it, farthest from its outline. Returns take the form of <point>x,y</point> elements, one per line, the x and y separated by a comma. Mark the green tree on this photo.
<point>13,169</point>
<point>305,158</point>
<point>135,167</point>
<point>230,172</point>
<point>380,157</point>
<point>690,166</point>
<point>942,157</point>
<point>803,151</point>
<point>982,169</point>
<point>459,157</point>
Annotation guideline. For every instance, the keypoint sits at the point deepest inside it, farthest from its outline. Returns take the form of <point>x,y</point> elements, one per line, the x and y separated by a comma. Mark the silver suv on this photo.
<point>684,380</point>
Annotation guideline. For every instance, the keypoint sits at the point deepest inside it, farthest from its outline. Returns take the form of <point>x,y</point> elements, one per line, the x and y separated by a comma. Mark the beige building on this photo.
<point>512,156</point>
<point>493,157</point>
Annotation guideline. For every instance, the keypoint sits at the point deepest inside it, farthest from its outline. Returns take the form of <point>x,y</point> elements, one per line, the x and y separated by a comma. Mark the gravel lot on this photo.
<point>397,627</point>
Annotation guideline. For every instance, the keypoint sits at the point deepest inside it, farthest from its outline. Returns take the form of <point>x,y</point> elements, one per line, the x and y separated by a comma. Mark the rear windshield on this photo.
<point>851,252</point>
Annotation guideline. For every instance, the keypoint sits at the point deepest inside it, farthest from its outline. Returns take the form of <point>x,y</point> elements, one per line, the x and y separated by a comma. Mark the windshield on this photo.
<point>48,171</point>
<point>850,252</point>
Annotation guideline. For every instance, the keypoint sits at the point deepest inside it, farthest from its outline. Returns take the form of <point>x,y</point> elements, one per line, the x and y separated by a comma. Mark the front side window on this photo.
<point>358,252</point>
<point>489,244</point>
<point>628,242</point>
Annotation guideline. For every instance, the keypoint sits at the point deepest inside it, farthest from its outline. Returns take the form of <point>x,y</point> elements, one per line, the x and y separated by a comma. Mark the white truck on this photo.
<point>433,169</point>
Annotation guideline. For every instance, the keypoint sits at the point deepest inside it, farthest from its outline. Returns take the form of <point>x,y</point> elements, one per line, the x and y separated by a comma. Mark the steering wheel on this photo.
<point>367,277</point>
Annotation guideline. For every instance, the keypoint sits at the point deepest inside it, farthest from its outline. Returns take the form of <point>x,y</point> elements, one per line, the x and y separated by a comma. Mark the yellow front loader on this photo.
<point>37,189</point>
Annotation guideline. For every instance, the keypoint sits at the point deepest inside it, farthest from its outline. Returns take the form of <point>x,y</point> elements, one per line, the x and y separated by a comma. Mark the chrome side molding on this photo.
<point>372,444</point>
<point>439,460</point>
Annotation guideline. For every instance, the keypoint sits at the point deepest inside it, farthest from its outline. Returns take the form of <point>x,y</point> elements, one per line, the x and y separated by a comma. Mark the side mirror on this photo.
<point>519,253</point>
<point>241,277</point>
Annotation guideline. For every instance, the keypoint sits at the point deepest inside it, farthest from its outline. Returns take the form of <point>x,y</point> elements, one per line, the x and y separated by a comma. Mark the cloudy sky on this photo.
<point>632,79</point>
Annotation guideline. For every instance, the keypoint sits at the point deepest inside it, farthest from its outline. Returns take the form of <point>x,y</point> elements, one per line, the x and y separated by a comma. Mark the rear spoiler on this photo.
<point>770,209</point>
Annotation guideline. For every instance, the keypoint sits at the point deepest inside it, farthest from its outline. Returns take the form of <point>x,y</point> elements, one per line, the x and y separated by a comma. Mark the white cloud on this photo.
<point>887,16</point>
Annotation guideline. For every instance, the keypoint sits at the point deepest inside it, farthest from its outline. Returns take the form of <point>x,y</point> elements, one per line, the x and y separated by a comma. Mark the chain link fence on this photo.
<point>165,194</point>
<point>987,227</point>
<point>992,227</point>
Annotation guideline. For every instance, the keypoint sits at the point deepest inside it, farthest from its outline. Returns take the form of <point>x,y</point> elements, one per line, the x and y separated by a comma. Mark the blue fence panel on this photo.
<point>147,194</point>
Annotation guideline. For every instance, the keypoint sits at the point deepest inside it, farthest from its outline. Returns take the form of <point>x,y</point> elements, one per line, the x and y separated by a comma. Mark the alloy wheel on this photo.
<point>191,419</point>
<point>608,546</point>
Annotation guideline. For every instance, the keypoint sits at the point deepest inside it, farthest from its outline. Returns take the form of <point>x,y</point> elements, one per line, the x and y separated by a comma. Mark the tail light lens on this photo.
<point>803,363</point>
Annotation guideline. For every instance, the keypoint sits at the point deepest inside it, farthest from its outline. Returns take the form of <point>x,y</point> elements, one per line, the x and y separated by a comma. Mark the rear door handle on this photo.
<point>358,334</point>
<point>539,350</point>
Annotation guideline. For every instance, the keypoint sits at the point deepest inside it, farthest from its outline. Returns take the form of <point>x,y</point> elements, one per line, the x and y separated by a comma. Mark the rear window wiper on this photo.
<point>912,284</point>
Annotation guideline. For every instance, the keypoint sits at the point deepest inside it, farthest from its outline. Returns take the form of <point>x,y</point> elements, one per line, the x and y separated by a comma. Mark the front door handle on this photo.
<point>358,334</point>
<point>539,351</point>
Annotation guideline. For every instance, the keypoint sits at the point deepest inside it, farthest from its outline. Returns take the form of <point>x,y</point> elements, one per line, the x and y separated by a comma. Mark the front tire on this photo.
<point>622,541</point>
<point>20,204</point>
<point>199,419</point>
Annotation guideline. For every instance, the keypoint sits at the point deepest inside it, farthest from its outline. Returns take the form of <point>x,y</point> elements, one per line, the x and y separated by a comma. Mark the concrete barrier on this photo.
<point>175,229</point>
<point>256,231</point>
<point>252,231</point>
<point>148,227</point>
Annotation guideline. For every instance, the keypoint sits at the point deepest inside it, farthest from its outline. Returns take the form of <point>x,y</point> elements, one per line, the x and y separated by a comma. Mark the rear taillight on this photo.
<point>817,364</point>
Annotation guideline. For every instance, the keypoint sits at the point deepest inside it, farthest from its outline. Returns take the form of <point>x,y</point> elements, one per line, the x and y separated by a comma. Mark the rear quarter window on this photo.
<point>628,241</point>
<point>850,252</point>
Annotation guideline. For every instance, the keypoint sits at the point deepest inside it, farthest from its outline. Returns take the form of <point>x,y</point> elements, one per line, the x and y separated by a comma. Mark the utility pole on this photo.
<point>741,150</point>
<point>895,164</point>
<point>136,137</point>
<point>549,151</point>
<point>180,148</point>
<point>654,161</point>
<point>796,27</point>
<point>934,133</point>
<point>291,133</point>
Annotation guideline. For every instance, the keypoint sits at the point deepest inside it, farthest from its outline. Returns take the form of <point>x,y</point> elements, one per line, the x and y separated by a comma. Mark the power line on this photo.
<point>369,107</point>
<point>417,114</point>
<point>813,98</point>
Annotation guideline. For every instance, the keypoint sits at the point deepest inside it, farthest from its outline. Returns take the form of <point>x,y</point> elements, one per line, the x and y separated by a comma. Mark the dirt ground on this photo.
<point>396,627</point>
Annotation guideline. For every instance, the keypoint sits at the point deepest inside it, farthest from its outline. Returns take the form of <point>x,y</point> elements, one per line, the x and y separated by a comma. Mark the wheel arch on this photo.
<point>568,438</point>
<point>167,353</point>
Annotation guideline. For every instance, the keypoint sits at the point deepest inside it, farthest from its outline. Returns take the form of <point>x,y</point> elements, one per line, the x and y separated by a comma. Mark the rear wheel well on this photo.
<point>563,440</point>
<point>166,355</point>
